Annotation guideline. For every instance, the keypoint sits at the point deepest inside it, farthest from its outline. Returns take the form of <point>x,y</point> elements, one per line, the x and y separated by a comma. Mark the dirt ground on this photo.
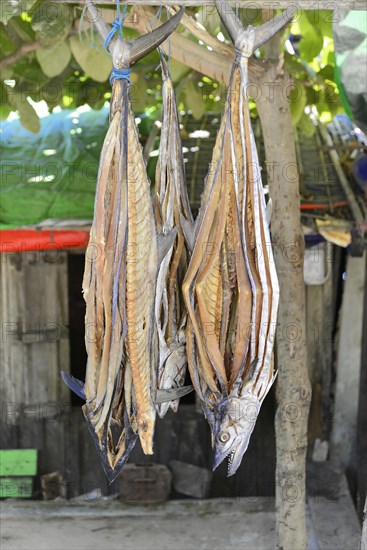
<point>183,525</point>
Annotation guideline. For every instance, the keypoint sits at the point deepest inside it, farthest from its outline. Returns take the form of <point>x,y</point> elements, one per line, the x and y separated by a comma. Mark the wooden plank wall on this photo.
<point>34,323</point>
<point>36,406</point>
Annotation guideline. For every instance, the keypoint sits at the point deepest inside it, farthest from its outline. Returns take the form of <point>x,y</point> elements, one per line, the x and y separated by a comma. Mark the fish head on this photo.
<point>120,53</point>
<point>146,423</point>
<point>233,430</point>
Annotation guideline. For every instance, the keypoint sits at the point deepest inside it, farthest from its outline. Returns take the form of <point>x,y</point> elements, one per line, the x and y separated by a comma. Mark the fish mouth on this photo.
<point>232,456</point>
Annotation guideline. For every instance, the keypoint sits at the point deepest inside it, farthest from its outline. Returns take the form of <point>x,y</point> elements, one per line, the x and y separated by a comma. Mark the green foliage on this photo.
<point>10,8</point>
<point>52,23</point>
<point>194,99</point>
<point>27,114</point>
<point>54,60</point>
<point>92,57</point>
<point>72,68</point>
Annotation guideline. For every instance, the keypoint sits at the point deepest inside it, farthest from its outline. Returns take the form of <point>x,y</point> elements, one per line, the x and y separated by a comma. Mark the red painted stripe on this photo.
<point>24,240</point>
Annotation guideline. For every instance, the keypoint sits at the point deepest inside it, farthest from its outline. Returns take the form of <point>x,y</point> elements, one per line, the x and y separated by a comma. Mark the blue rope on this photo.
<point>117,25</point>
<point>119,74</point>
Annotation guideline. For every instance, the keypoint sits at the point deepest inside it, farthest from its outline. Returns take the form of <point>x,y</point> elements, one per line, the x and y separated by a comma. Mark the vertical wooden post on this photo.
<point>344,434</point>
<point>293,386</point>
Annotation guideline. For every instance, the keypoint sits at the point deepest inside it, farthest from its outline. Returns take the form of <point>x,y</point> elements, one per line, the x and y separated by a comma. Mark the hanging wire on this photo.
<point>117,25</point>
<point>169,41</point>
<point>92,31</point>
<point>157,17</point>
<point>81,24</point>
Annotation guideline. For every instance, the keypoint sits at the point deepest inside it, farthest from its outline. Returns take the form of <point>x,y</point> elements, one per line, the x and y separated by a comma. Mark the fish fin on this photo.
<point>75,385</point>
<point>269,211</point>
<point>230,21</point>
<point>162,396</point>
<point>262,34</point>
<point>188,229</point>
<point>265,32</point>
<point>165,242</point>
<point>143,45</point>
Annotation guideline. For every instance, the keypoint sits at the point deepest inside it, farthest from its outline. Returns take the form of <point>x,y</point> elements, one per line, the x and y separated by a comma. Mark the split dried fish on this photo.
<point>171,205</point>
<point>120,275</point>
<point>231,288</point>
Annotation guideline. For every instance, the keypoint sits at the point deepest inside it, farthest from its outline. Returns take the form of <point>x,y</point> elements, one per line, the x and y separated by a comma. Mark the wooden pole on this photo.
<point>293,390</point>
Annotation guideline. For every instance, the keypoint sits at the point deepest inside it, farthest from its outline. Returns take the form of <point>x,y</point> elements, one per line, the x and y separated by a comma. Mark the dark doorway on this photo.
<point>78,354</point>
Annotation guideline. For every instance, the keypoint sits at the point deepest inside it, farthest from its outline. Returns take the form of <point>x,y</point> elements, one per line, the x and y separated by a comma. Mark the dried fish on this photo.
<point>171,205</point>
<point>120,278</point>
<point>231,289</point>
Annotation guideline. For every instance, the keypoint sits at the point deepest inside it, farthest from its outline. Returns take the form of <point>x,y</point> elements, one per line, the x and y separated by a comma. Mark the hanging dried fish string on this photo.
<point>231,290</point>
<point>171,205</point>
<point>120,278</point>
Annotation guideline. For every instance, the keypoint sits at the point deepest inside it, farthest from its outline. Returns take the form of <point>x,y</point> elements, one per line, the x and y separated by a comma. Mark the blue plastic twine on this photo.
<point>119,74</point>
<point>117,25</point>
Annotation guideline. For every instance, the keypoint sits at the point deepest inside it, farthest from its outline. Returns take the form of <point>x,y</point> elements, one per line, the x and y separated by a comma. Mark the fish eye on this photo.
<point>223,437</point>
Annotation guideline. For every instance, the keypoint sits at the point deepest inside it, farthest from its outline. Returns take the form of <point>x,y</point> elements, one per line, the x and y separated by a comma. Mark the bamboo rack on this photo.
<point>335,5</point>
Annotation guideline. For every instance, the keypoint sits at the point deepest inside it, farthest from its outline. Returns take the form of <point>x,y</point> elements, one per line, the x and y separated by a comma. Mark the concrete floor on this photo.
<point>216,524</point>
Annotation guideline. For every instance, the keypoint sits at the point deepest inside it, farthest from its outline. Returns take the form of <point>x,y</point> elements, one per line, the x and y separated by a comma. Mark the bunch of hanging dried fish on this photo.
<point>231,289</point>
<point>120,278</point>
<point>172,207</point>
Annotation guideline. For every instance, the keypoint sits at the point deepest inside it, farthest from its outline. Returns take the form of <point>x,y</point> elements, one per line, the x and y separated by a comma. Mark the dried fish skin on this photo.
<point>235,290</point>
<point>119,282</point>
<point>171,204</point>
<point>141,274</point>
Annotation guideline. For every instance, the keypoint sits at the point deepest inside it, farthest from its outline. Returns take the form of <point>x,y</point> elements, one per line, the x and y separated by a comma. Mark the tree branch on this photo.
<point>19,53</point>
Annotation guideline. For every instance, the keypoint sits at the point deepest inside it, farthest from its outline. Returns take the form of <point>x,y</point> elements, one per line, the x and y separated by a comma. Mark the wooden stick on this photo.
<point>335,5</point>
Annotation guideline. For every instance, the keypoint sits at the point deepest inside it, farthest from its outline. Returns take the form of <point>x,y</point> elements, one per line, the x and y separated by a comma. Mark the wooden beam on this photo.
<point>335,5</point>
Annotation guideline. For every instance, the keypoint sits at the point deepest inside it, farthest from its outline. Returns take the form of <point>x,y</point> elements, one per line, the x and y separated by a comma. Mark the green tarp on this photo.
<point>52,174</point>
<point>350,39</point>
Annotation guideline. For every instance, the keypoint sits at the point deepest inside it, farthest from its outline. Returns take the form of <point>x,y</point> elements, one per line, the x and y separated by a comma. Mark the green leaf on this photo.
<point>139,97</point>
<point>315,94</point>
<point>9,8</point>
<point>327,72</point>
<point>5,111</point>
<point>194,98</point>
<point>54,60</point>
<point>294,65</point>
<point>312,40</point>
<point>322,19</point>
<point>6,45</point>
<point>93,59</point>
<point>4,105</point>
<point>310,44</point>
<point>178,70</point>
<point>52,23</point>
<point>27,114</point>
<point>306,126</point>
<point>209,18</point>
<point>298,101</point>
